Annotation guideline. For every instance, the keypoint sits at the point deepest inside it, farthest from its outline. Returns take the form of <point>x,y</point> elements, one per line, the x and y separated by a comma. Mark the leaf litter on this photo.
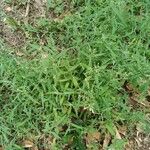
<point>134,96</point>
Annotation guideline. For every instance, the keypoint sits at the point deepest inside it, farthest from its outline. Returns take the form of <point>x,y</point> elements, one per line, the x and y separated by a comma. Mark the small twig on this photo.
<point>27,8</point>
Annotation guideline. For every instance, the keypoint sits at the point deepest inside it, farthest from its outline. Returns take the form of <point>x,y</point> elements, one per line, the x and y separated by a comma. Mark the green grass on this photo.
<point>89,56</point>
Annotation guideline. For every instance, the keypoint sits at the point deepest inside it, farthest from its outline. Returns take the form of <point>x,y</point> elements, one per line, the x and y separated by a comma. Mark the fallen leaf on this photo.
<point>122,130</point>
<point>134,96</point>
<point>34,148</point>
<point>1,148</point>
<point>27,144</point>
<point>19,53</point>
<point>62,16</point>
<point>135,102</point>
<point>118,136</point>
<point>63,128</point>
<point>106,140</point>
<point>93,137</point>
<point>47,141</point>
<point>42,42</point>
<point>129,145</point>
<point>8,9</point>
<point>127,86</point>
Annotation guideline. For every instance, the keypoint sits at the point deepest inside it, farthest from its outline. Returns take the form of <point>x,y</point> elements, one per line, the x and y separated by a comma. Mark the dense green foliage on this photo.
<point>75,79</point>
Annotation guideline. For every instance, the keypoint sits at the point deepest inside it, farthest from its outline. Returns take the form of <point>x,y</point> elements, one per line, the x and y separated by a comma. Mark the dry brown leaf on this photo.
<point>118,136</point>
<point>8,9</point>
<point>47,140</point>
<point>63,128</point>
<point>134,96</point>
<point>129,145</point>
<point>134,101</point>
<point>34,148</point>
<point>1,148</point>
<point>93,137</point>
<point>19,53</point>
<point>27,144</point>
<point>128,87</point>
<point>62,16</point>
<point>42,42</point>
<point>122,130</point>
<point>106,140</point>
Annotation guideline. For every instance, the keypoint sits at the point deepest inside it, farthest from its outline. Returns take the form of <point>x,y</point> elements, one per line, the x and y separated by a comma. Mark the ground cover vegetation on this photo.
<point>74,74</point>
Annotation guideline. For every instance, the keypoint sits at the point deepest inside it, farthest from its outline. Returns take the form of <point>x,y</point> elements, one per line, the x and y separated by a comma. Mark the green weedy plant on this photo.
<point>79,83</point>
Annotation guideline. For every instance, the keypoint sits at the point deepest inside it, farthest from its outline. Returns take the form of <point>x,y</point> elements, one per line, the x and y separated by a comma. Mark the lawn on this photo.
<point>74,74</point>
